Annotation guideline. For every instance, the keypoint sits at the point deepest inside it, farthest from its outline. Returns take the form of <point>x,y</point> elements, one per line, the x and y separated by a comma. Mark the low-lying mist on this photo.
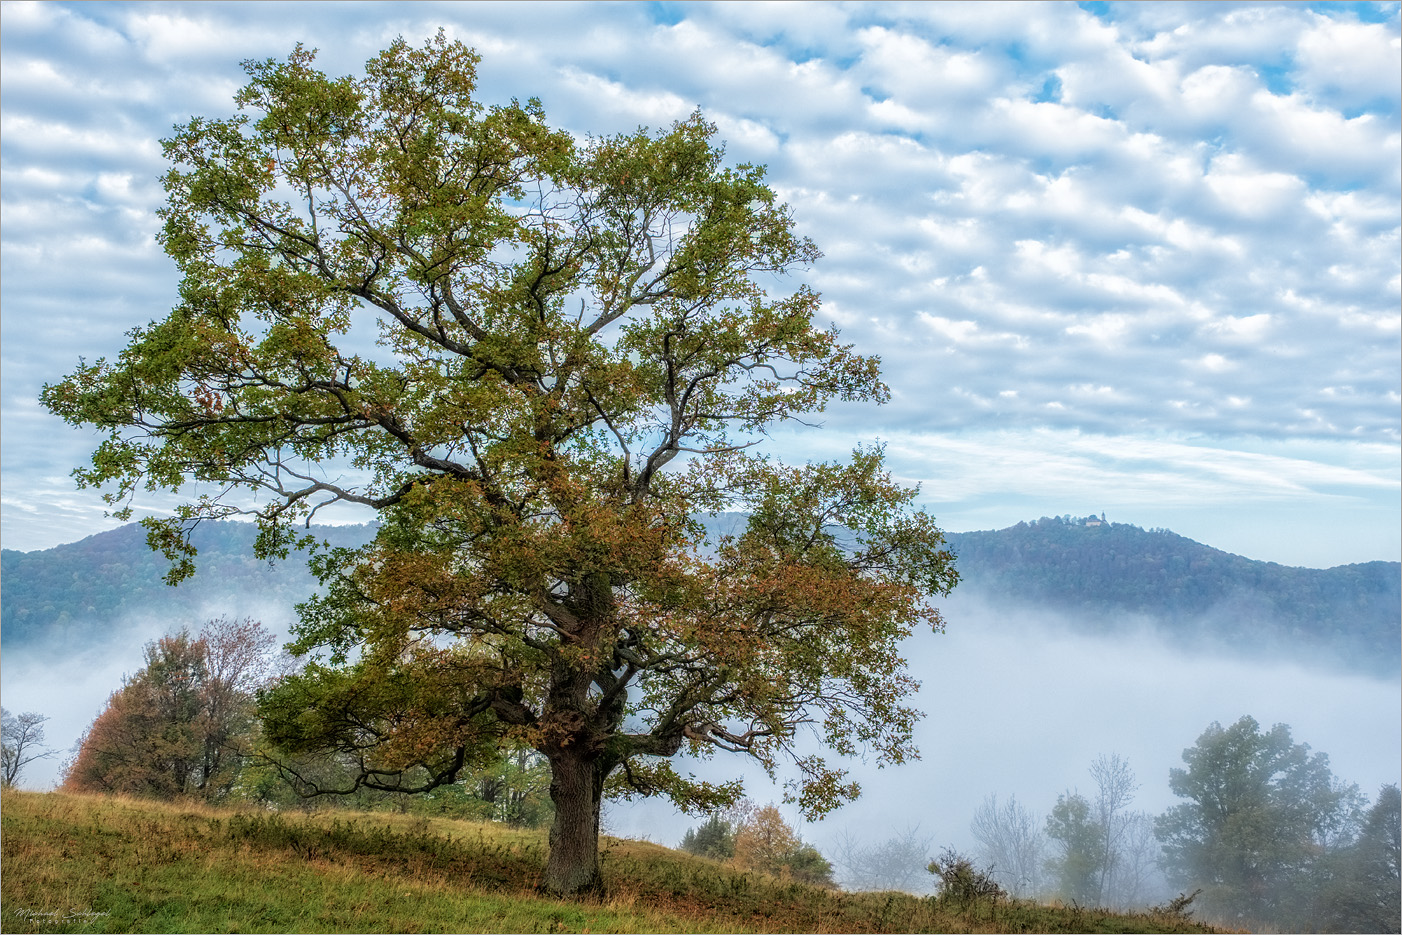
<point>1020,705</point>
<point>1015,704</point>
<point>71,684</point>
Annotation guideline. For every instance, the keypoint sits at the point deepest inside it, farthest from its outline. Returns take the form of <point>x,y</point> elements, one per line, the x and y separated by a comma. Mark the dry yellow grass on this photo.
<point>94,864</point>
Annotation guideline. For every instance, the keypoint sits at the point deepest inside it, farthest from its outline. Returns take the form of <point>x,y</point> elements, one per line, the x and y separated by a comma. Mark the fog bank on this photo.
<point>1022,706</point>
<point>1015,705</point>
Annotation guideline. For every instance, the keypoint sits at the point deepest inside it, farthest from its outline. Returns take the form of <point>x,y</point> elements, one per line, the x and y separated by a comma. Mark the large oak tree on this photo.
<point>541,360</point>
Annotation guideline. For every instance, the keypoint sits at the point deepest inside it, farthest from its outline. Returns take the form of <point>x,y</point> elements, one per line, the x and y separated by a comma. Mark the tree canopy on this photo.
<point>181,725</point>
<point>1259,812</point>
<point>540,360</point>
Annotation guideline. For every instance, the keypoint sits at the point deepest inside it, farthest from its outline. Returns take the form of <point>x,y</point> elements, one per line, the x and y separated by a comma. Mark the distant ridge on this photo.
<point>1104,577</point>
<point>1111,576</point>
<point>79,589</point>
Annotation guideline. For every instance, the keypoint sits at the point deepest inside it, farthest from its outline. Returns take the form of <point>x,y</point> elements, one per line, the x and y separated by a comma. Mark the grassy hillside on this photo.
<point>87,864</point>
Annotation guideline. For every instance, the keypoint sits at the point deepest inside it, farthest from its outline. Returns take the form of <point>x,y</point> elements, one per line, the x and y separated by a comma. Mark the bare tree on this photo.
<point>1138,879</point>
<point>1115,788</point>
<point>21,739</point>
<point>1011,842</point>
<point>898,863</point>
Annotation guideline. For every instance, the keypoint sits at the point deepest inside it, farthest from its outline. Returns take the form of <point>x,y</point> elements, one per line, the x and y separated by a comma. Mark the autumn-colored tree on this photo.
<point>576,353</point>
<point>765,842</point>
<point>176,727</point>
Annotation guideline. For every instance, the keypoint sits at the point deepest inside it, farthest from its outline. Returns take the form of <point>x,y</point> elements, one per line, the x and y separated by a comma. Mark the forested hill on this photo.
<point>1109,576</point>
<point>1099,576</point>
<point>83,588</point>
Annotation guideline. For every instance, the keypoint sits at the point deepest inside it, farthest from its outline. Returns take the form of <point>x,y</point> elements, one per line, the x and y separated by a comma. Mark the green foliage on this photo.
<point>577,351</point>
<point>713,838</point>
<point>510,787</point>
<point>808,864</point>
<point>1261,817</point>
<point>1361,885</point>
<point>76,593</point>
<point>1078,867</point>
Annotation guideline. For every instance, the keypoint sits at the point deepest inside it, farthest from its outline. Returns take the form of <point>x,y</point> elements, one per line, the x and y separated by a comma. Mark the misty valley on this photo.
<point>1089,575</point>
<point>1095,687</point>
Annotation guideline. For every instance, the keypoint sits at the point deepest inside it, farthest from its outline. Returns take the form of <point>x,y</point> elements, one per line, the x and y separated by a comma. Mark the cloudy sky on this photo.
<point>1138,259</point>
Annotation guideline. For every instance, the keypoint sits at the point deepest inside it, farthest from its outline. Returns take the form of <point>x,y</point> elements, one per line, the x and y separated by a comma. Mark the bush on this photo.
<point>963,882</point>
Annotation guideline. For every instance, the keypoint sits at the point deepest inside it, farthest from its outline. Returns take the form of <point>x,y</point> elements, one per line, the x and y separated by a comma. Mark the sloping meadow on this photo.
<point>95,864</point>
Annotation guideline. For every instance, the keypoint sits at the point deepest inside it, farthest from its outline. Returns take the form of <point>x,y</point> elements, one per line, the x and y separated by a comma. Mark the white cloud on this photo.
<point>1353,64</point>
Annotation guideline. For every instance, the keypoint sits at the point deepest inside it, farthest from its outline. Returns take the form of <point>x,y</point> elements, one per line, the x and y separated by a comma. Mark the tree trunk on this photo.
<point>576,788</point>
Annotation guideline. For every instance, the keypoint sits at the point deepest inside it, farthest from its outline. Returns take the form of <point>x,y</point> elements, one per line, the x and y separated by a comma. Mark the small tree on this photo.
<point>1093,838</point>
<point>1362,892</point>
<point>1080,859</point>
<point>1011,844</point>
<point>1138,879</point>
<point>516,788</point>
<point>1115,786</point>
<point>713,838</point>
<point>897,863</point>
<point>765,842</point>
<point>21,743</point>
<point>577,352</point>
<point>179,726</point>
<point>962,881</point>
<point>1378,865</point>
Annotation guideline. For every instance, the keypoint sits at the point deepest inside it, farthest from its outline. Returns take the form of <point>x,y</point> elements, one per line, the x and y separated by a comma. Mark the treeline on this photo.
<point>758,838</point>
<point>1100,576</point>
<point>1265,835</point>
<point>1108,576</point>
<point>185,726</point>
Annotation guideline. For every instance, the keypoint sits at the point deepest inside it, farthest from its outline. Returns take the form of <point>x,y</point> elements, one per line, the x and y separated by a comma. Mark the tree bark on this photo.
<point>576,788</point>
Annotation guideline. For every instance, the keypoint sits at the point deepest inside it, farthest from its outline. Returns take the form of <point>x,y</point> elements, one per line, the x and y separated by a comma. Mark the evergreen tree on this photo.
<point>714,838</point>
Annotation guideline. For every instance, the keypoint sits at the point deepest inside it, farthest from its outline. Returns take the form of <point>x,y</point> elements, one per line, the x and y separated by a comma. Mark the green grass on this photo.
<point>92,864</point>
